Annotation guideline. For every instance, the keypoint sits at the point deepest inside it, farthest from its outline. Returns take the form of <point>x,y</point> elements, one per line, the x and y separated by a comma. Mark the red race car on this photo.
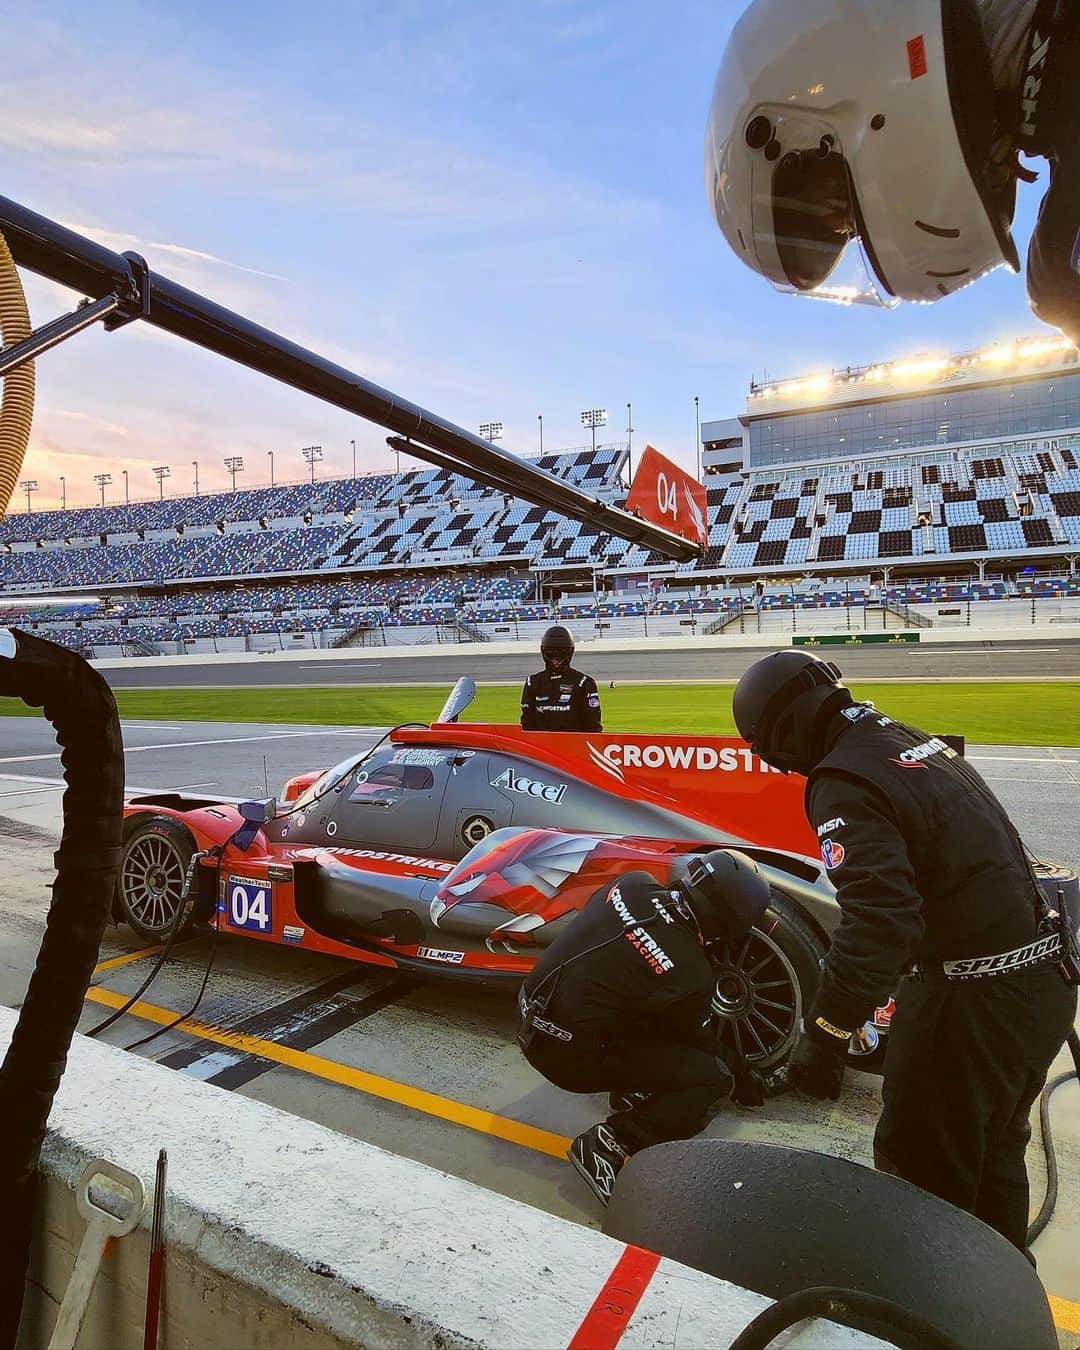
<point>462,849</point>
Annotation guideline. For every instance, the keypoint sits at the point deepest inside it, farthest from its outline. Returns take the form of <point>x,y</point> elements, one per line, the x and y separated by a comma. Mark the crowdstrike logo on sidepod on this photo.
<point>614,759</point>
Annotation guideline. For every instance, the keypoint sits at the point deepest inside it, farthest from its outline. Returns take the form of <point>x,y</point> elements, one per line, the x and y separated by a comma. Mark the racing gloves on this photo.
<point>817,1066</point>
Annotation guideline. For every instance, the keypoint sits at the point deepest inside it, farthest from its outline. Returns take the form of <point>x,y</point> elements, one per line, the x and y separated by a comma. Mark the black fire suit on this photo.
<point>1035,53</point>
<point>928,868</point>
<point>626,991</point>
<point>560,700</point>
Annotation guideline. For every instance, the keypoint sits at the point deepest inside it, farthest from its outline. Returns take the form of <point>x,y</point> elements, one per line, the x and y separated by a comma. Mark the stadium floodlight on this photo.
<point>103,480</point>
<point>29,485</point>
<point>235,465</point>
<point>313,454</point>
<point>161,472</point>
<point>593,418</point>
<point>491,431</point>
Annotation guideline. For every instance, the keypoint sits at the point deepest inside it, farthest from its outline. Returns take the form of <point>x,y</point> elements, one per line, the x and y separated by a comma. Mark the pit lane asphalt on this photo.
<point>1059,657</point>
<point>425,1069</point>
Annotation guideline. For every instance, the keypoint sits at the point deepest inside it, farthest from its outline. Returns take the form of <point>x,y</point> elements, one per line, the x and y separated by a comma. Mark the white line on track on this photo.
<point>221,740</point>
<point>336,665</point>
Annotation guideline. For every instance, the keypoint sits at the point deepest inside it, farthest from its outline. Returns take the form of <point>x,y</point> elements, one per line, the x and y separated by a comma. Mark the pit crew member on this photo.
<point>934,885</point>
<point>560,698</point>
<point>868,151</point>
<point>620,1003</point>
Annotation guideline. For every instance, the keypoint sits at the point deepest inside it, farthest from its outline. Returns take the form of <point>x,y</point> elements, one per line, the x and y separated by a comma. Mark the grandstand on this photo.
<point>834,501</point>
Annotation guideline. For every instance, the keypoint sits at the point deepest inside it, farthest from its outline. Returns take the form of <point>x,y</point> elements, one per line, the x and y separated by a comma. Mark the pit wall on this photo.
<point>471,652</point>
<point>280,1232</point>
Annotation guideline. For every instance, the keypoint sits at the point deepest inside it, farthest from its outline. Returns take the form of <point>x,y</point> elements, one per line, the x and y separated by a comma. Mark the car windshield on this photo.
<point>326,781</point>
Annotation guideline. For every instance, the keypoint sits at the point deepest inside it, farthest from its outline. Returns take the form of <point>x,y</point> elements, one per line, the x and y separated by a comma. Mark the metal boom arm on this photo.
<point>63,255</point>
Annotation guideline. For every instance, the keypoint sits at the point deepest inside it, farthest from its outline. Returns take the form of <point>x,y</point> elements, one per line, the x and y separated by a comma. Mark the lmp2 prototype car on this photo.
<point>463,849</point>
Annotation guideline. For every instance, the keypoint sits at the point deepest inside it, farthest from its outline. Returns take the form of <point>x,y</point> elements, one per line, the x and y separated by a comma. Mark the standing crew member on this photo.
<point>559,698</point>
<point>933,882</point>
<point>620,1003</point>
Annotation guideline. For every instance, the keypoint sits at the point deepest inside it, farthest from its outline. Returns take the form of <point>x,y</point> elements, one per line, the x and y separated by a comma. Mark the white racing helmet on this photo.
<point>849,149</point>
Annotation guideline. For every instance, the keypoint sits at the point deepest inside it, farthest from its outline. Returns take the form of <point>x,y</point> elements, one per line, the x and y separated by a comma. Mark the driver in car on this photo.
<point>620,1003</point>
<point>559,698</point>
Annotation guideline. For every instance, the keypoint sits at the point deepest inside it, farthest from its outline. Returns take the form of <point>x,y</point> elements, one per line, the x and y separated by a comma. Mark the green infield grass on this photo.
<point>1013,713</point>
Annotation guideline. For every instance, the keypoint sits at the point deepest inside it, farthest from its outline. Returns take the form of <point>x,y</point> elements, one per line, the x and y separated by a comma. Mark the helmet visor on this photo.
<point>806,218</point>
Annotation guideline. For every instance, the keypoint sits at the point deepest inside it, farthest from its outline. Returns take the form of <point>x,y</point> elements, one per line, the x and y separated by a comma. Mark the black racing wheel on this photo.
<point>764,982</point>
<point>151,886</point>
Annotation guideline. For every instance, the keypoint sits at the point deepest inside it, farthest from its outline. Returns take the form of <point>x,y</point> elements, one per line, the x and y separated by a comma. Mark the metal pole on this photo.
<point>353,444</point>
<point>697,430</point>
<point>71,259</point>
<point>629,430</point>
<point>540,419</point>
<point>50,335</point>
<point>63,493</point>
<point>195,466</point>
<point>127,497</point>
<point>271,454</point>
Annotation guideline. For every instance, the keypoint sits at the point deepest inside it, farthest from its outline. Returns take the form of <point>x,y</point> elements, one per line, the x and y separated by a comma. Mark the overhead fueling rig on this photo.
<point>122,288</point>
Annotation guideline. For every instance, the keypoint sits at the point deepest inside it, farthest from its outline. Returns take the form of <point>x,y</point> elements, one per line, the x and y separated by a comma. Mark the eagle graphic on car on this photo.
<point>536,860</point>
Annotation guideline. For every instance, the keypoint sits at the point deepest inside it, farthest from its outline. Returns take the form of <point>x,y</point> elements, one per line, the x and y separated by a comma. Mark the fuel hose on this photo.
<point>17,394</point>
<point>80,706</point>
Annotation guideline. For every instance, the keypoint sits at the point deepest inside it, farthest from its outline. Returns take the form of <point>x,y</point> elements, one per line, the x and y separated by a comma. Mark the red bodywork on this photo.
<point>714,779</point>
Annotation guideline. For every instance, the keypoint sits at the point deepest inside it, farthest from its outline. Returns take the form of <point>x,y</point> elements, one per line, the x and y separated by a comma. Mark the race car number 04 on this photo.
<point>250,906</point>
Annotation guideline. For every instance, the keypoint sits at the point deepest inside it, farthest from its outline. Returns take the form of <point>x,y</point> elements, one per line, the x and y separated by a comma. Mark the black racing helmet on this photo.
<point>557,647</point>
<point>726,891</point>
<point>782,705</point>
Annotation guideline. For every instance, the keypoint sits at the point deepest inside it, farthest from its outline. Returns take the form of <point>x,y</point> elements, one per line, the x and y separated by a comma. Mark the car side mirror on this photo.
<point>255,816</point>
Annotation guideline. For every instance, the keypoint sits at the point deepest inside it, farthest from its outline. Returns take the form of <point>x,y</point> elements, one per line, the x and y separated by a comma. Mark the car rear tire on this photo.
<point>765,982</point>
<point>152,870</point>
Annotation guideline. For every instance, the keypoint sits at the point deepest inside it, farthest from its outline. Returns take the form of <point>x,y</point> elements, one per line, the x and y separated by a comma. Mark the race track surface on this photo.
<point>990,660</point>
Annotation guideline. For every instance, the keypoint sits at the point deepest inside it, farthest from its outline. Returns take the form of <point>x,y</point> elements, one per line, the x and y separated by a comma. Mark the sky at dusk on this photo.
<point>494,209</point>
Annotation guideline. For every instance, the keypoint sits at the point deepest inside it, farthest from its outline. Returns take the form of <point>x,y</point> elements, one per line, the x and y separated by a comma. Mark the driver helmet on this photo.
<point>782,707</point>
<point>853,153</point>
<point>557,648</point>
<point>725,890</point>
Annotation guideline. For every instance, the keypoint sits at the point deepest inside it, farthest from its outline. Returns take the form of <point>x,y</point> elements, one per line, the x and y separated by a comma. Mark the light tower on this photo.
<point>491,431</point>
<point>29,485</point>
<point>161,472</point>
<point>593,418</point>
<point>235,465</point>
<point>313,454</point>
<point>103,480</point>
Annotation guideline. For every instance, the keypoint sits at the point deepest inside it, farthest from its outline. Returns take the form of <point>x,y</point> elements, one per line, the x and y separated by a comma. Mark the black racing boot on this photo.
<point>598,1158</point>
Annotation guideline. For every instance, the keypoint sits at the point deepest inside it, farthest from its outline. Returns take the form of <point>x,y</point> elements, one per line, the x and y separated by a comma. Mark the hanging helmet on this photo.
<point>726,891</point>
<point>557,647</point>
<point>782,705</point>
<point>840,123</point>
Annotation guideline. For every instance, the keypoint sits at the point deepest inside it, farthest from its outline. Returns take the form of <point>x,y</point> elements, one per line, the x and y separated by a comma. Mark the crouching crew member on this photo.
<point>934,884</point>
<point>620,1003</point>
<point>559,698</point>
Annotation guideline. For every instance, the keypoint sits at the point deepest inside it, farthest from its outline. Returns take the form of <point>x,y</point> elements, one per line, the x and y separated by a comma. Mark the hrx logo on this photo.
<point>530,787</point>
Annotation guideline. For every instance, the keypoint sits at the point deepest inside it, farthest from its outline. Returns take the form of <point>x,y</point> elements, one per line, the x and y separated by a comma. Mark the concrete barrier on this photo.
<point>280,1232</point>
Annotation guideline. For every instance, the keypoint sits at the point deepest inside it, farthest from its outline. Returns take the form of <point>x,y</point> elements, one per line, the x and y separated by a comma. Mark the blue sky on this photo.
<point>495,209</point>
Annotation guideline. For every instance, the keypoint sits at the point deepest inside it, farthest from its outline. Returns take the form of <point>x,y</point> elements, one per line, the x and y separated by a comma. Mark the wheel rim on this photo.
<point>152,881</point>
<point>757,1001</point>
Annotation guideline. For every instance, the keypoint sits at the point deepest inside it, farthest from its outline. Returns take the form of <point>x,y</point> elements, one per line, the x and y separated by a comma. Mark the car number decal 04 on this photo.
<point>249,905</point>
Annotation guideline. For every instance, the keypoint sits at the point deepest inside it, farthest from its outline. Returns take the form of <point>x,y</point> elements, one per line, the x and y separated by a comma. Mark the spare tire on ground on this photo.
<point>780,1220</point>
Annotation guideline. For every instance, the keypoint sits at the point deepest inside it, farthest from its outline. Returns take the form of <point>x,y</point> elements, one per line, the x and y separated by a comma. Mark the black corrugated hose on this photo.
<point>79,704</point>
